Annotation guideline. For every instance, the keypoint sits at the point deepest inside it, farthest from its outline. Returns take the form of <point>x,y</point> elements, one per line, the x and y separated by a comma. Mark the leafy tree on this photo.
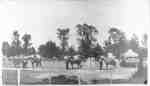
<point>115,35</point>
<point>116,43</point>
<point>144,40</point>
<point>97,51</point>
<point>145,50</point>
<point>42,50</point>
<point>31,51</point>
<point>86,38</point>
<point>71,51</point>
<point>63,35</point>
<point>49,49</point>
<point>134,43</point>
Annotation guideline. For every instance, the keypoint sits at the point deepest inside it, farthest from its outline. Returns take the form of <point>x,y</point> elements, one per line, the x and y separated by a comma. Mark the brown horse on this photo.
<point>72,60</point>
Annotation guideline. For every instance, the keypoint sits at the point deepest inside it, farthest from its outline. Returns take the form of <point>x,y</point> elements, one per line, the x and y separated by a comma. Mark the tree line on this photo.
<point>16,47</point>
<point>117,43</point>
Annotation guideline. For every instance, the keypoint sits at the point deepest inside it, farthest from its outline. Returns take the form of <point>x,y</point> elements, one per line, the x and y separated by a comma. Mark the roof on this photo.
<point>130,53</point>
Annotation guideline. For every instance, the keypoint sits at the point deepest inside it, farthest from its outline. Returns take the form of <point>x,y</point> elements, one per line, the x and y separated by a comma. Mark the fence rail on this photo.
<point>30,69</point>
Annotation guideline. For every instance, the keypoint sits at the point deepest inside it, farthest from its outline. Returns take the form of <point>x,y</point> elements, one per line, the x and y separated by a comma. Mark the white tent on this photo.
<point>130,53</point>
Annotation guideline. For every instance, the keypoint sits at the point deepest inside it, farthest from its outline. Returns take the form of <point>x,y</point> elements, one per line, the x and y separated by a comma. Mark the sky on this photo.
<point>41,18</point>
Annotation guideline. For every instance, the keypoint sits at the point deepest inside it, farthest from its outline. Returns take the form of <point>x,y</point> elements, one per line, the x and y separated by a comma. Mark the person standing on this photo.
<point>24,63</point>
<point>101,60</point>
<point>67,61</point>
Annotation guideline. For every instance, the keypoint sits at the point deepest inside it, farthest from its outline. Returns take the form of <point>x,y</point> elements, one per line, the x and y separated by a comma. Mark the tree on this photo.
<point>63,35</point>
<point>86,38</point>
<point>5,48</point>
<point>145,50</point>
<point>26,38</point>
<point>116,43</point>
<point>134,43</point>
<point>42,50</point>
<point>49,49</point>
<point>71,51</point>
<point>115,35</point>
<point>31,51</point>
<point>144,40</point>
<point>97,51</point>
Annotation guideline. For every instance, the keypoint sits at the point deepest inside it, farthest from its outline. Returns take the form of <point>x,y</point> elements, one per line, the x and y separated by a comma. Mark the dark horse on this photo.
<point>73,60</point>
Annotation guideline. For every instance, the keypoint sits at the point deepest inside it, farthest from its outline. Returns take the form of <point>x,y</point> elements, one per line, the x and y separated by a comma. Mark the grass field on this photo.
<point>89,74</point>
<point>9,77</point>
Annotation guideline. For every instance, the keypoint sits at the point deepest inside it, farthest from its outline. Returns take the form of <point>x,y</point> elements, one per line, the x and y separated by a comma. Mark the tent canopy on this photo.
<point>130,53</point>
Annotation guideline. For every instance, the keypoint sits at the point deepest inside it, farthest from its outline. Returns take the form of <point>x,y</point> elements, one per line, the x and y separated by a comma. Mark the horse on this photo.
<point>108,61</point>
<point>101,61</point>
<point>36,62</point>
<point>73,60</point>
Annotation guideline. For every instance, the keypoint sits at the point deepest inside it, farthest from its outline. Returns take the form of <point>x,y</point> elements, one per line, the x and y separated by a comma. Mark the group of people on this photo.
<point>71,61</point>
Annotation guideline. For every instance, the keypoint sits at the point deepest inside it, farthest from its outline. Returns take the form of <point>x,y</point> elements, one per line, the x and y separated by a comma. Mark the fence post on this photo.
<point>18,77</point>
<point>79,82</point>
<point>111,77</point>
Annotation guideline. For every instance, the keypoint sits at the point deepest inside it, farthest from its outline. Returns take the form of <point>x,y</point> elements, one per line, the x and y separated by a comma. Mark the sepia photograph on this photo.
<point>74,42</point>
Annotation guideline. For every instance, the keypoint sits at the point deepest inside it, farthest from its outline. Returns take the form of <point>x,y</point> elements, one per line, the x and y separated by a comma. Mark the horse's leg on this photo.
<point>23,65</point>
<point>67,65</point>
<point>32,64</point>
<point>101,65</point>
<point>107,66</point>
<point>72,65</point>
<point>77,66</point>
<point>80,65</point>
<point>37,64</point>
<point>40,64</point>
<point>15,65</point>
<point>26,64</point>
